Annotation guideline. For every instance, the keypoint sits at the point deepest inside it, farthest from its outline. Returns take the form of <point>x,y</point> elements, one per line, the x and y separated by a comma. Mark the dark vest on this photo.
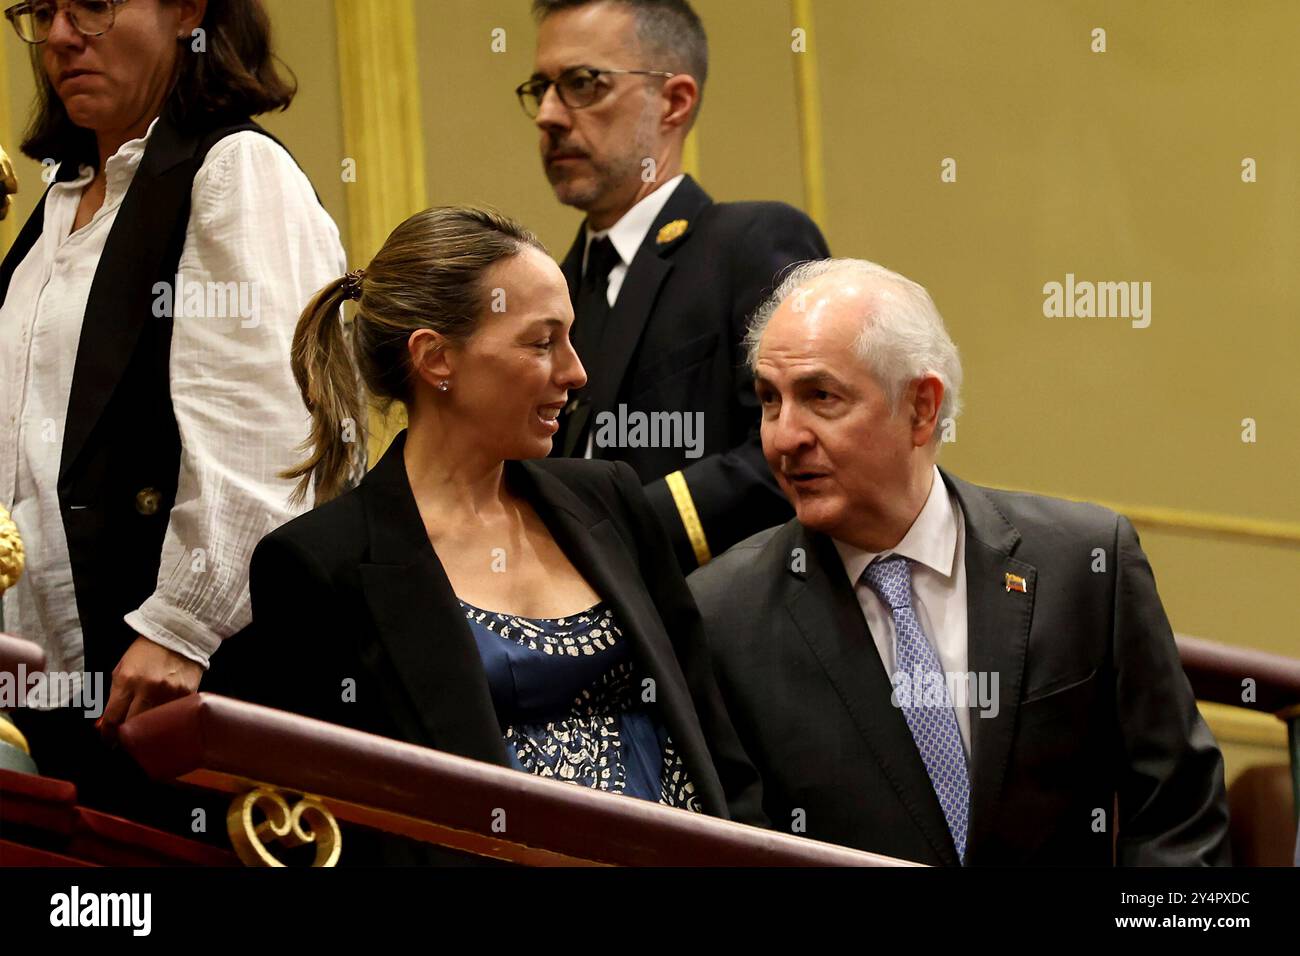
<point>121,448</point>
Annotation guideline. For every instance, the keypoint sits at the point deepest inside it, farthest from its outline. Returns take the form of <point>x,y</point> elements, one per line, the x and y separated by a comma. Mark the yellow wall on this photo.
<point>1123,165</point>
<point>306,40</point>
<point>479,146</point>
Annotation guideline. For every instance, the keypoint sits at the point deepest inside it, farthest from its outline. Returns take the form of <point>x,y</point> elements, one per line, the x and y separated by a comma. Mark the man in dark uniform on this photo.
<point>663,279</point>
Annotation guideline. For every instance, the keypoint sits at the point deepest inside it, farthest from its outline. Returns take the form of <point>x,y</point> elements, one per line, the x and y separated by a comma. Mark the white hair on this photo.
<point>902,336</point>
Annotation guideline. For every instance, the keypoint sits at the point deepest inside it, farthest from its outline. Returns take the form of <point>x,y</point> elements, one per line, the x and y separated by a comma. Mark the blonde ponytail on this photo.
<point>323,366</point>
<point>428,275</point>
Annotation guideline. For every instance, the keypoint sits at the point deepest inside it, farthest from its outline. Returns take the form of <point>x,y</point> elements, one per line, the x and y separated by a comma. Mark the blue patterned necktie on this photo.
<point>933,725</point>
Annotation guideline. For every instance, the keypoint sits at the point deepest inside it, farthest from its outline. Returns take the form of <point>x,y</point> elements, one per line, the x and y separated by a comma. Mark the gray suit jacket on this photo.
<point>1094,711</point>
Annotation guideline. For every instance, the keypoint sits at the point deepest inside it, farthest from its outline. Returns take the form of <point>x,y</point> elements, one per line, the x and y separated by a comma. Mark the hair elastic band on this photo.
<point>352,284</point>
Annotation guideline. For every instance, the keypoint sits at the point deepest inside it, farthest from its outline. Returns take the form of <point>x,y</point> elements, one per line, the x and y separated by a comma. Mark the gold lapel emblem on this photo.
<point>671,231</point>
<point>1016,583</point>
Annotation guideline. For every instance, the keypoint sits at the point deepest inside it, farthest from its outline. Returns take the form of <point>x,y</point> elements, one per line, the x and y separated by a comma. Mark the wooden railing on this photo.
<point>15,651</point>
<point>1256,680</point>
<point>260,755</point>
<point>464,805</point>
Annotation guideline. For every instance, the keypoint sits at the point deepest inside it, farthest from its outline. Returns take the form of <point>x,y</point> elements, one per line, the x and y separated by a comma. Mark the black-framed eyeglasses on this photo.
<point>578,87</point>
<point>34,20</point>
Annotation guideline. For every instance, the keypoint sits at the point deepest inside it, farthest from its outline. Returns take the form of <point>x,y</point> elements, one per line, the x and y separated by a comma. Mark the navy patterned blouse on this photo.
<point>568,695</point>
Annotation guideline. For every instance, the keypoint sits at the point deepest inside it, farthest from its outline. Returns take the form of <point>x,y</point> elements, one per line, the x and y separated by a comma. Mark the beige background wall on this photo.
<point>1123,165</point>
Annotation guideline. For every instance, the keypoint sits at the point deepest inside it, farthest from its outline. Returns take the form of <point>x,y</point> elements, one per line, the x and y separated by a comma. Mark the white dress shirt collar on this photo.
<point>629,233</point>
<point>931,541</point>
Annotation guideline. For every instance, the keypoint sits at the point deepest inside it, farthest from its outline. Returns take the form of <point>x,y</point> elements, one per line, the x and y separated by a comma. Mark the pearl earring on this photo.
<point>443,386</point>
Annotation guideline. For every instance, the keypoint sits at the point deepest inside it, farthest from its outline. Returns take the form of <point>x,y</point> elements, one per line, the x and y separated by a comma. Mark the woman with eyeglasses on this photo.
<point>147,406</point>
<point>472,595</point>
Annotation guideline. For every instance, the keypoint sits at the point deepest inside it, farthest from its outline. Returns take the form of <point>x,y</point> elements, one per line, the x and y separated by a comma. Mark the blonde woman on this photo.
<point>487,601</point>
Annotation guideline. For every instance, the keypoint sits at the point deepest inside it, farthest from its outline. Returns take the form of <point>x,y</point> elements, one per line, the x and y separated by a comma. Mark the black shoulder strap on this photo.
<point>27,237</point>
<point>35,224</point>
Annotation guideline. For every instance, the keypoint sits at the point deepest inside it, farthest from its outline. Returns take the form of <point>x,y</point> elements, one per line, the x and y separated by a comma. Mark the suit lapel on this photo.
<point>596,550</point>
<point>574,420</point>
<point>69,169</point>
<point>423,630</point>
<point>27,238</point>
<point>572,264</point>
<point>997,628</point>
<point>420,624</point>
<point>636,299</point>
<point>826,613</point>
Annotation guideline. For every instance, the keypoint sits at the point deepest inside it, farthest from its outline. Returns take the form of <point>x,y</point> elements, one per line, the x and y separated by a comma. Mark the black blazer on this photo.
<point>673,344</point>
<point>354,590</point>
<point>1094,705</point>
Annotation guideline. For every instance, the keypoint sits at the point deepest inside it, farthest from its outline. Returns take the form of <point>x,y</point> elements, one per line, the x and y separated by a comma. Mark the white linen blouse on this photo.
<point>255,220</point>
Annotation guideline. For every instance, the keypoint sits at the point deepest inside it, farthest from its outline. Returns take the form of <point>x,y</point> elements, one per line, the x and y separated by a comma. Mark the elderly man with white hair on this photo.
<point>928,669</point>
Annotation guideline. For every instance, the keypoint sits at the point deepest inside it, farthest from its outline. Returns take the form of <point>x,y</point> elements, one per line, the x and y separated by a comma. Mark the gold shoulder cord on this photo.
<point>690,517</point>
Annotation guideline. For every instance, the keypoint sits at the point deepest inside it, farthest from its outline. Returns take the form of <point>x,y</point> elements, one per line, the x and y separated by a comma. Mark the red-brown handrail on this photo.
<point>223,744</point>
<point>15,651</point>
<point>1244,677</point>
<point>229,745</point>
<point>1220,672</point>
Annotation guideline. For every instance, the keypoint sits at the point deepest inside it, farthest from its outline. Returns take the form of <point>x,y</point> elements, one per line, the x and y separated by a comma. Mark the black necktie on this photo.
<point>591,311</point>
<point>590,316</point>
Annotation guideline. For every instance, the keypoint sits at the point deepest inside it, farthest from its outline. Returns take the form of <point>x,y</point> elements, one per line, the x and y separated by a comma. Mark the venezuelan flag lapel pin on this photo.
<point>1016,583</point>
<point>672,231</point>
